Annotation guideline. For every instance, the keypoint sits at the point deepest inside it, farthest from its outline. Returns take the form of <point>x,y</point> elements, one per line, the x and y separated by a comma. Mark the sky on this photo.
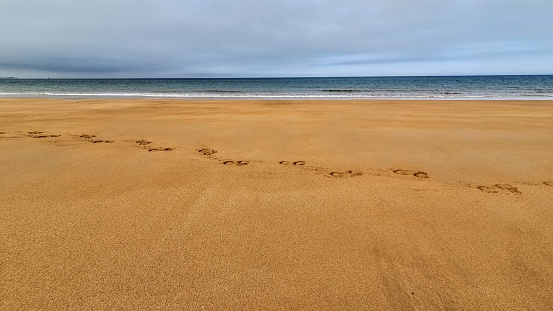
<point>273,38</point>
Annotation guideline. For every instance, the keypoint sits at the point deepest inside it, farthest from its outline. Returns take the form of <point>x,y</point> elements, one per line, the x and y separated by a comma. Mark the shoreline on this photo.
<point>268,204</point>
<point>500,87</point>
<point>272,98</point>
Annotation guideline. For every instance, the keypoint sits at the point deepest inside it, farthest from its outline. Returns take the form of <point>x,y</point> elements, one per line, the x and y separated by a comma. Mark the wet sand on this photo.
<point>248,205</point>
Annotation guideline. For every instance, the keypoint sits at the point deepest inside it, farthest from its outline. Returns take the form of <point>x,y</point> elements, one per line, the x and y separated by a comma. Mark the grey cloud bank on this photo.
<point>245,38</point>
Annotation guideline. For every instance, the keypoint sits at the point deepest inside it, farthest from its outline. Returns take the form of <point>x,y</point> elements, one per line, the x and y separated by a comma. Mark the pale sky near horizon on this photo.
<point>260,38</point>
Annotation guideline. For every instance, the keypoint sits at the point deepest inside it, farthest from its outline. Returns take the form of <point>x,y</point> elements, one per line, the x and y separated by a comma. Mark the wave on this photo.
<point>330,94</point>
<point>342,91</point>
<point>221,91</point>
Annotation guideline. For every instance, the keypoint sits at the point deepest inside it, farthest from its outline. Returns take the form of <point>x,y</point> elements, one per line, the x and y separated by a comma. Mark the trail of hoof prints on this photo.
<point>418,174</point>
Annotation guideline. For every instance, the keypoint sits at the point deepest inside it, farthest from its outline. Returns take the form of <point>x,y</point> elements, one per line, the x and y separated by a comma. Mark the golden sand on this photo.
<point>250,205</point>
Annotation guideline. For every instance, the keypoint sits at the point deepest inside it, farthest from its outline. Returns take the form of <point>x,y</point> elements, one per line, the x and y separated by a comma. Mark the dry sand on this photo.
<point>229,205</point>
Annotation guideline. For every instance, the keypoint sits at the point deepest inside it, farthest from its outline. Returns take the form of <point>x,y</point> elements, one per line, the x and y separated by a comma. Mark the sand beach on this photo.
<point>276,205</point>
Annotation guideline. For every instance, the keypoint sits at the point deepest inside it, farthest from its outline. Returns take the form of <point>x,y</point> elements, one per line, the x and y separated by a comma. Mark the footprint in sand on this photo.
<point>548,183</point>
<point>90,138</point>
<point>207,151</point>
<point>143,142</point>
<point>235,163</point>
<point>497,188</point>
<point>298,163</point>
<point>334,174</point>
<point>6,135</point>
<point>96,141</point>
<point>39,134</point>
<point>345,174</point>
<point>418,174</point>
<point>160,149</point>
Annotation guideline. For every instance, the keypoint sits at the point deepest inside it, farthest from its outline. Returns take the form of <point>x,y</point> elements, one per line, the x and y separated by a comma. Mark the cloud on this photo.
<point>174,38</point>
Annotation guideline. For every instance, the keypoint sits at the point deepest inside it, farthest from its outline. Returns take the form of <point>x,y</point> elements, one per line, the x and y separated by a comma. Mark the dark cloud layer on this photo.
<point>172,38</point>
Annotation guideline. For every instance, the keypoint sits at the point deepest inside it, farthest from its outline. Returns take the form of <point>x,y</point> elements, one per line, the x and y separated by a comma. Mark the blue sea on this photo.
<point>447,87</point>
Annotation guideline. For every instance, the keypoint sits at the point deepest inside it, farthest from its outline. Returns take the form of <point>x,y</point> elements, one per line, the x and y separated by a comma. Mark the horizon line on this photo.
<point>275,77</point>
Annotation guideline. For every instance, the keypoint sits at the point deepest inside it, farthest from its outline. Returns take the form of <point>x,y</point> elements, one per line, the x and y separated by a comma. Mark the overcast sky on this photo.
<point>264,38</point>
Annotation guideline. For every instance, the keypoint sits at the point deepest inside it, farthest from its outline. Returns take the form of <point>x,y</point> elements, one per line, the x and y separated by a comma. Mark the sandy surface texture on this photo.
<point>251,205</point>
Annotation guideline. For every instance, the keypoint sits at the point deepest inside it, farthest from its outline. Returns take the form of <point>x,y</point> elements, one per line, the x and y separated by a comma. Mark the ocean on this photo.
<point>447,87</point>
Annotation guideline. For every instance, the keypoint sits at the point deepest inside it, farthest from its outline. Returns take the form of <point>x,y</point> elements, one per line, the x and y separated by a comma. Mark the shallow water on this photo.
<point>450,87</point>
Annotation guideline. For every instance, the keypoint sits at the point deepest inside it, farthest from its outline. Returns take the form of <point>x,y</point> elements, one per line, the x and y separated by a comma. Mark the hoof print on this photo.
<point>90,138</point>
<point>421,175</point>
<point>345,174</point>
<point>418,174</point>
<point>207,151</point>
<point>96,141</point>
<point>403,172</point>
<point>40,135</point>
<point>509,188</point>
<point>160,149</point>
<point>497,188</point>
<point>143,142</point>
<point>488,189</point>
<point>298,163</point>
<point>235,163</point>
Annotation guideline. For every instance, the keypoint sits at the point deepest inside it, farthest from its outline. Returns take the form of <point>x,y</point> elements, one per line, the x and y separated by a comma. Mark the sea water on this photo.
<point>447,87</point>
